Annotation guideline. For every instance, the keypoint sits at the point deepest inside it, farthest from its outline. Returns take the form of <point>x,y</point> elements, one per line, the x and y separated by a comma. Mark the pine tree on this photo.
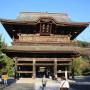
<point>6,63</point>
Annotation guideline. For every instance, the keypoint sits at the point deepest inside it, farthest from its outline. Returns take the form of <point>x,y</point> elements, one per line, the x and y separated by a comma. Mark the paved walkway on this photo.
<point>80,83</point>
<point>18,86</point>
<point>50,85</point>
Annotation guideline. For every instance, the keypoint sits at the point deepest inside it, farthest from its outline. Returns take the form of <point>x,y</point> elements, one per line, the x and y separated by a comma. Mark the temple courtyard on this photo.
<point>79,83</point>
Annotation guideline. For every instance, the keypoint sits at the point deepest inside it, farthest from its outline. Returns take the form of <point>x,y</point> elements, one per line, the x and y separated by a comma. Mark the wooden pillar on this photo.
<point>34,68</point>
<point>55,66</point>
<point>16,75</point>
<point>70,68</point>
<point>72,71</point>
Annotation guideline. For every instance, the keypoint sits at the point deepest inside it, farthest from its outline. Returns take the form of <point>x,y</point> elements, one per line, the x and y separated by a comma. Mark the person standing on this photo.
<point>44,82</point>
<point>5,79</point>
<point>64,84</point>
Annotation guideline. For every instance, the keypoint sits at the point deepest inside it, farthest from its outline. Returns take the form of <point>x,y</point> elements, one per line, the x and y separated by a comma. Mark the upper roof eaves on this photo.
<point>34,16</point>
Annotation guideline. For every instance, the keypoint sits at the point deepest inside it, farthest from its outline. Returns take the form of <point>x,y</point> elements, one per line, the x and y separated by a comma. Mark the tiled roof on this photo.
<point>34,16</point>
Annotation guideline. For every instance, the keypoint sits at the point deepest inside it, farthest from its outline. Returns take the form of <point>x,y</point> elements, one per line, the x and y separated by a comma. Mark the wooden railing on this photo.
<point>40,39</point>
<point>71,43</point>
<point>44,59</point>
<point>24,64</point>
<point>24,71</point>
<point>63,72</point>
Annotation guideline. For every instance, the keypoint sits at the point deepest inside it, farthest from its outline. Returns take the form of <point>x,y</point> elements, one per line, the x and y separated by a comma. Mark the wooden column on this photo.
<point>16,75</point>
<point>34,68</point>
<point>55,66</point>
<point>72,69</point>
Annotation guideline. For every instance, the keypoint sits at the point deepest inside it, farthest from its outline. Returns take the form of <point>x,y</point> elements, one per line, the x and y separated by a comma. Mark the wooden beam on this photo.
<point>64,72</point>
<point>24,64</point>
<point>64,64</point>
<point>45,64</point>
<point>25,59</point>
<point>24,72</point>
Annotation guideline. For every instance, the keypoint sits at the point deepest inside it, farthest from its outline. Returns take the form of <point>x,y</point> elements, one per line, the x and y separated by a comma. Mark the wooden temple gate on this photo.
<point>37,67</point>
<point>43,43</point>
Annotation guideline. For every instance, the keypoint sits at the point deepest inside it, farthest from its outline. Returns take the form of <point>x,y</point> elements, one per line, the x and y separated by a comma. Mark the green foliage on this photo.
<point>86,57</point>
<point>83,44</point>
<point>81,65</point>
<point>76,66</point>
<point>2,44</point>
<point>6,63</point>
<point>2,62</point>
<point>86,71</point>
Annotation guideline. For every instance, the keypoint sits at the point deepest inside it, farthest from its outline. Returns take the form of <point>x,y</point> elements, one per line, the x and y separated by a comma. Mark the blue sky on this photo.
<point>78,10</point>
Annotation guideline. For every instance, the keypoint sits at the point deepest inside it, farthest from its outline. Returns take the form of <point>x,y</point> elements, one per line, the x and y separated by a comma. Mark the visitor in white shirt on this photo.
<point>64,84</point>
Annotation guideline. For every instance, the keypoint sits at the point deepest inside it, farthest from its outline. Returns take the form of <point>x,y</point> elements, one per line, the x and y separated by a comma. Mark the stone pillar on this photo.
<point>34,68</point>
<point>55,66</point>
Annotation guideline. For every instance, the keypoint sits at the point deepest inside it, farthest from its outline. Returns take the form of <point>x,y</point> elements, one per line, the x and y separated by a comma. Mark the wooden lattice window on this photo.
<point>45,29</point>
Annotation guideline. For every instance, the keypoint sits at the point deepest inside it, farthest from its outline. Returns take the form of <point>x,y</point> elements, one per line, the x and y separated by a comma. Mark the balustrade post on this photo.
<point>55,67</point>
<point>34,68</point>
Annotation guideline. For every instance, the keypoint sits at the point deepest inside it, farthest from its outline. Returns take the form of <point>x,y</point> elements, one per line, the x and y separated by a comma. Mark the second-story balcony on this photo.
<point>63,40</point>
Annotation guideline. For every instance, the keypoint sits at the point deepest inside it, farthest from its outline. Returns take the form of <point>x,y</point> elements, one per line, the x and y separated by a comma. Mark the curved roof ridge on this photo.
<point>34,16</point>
<point>45,13</point>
